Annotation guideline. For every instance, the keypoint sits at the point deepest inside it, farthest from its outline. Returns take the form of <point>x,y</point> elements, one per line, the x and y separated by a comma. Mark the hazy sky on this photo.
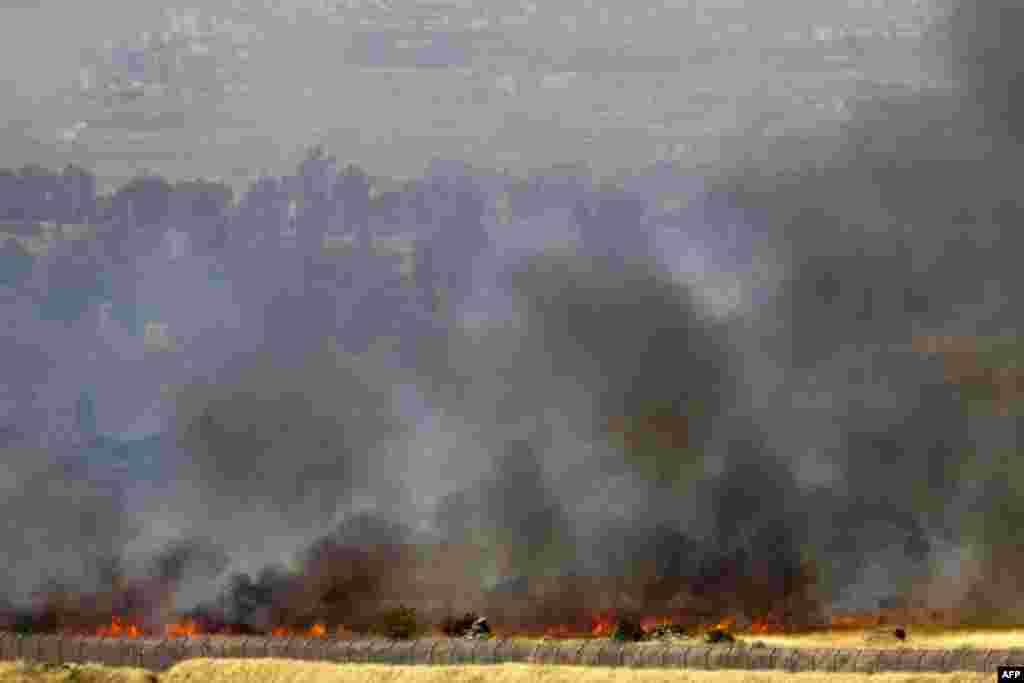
<point>501,84</point>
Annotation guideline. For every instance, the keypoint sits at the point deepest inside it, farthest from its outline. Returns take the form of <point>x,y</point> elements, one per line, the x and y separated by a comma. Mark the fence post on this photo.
<point>727,657</point>
<point>387,654</point>
<point>793,663</point>
<point>742,659</point>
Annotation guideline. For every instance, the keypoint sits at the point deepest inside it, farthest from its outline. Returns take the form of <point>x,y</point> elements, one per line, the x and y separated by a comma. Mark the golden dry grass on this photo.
<point>281,671</point>
<point>919,638</point>
<point>27,672</point>
<point>287,671</point>
<point>284,671</point>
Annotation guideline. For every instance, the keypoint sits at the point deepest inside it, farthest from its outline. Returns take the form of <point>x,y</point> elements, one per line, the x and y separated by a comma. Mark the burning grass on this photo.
<point>285,671</point>
<point>402,623</point>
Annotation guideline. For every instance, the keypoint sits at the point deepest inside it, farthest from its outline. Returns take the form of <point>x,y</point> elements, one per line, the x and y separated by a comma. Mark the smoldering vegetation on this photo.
<point>347,445</point>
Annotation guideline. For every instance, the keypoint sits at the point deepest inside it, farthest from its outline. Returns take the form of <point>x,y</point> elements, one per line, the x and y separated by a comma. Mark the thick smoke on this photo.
<point>82,525</point>
<point>985,60</point>
<point>598,419</point>
<point>903,231</point>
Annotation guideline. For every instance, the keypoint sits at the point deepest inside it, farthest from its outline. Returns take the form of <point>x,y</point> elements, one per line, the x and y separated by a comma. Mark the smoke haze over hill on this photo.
<point>717,395</point>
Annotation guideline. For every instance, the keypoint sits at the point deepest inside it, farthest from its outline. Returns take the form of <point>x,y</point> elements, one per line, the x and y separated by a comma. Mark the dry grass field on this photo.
<point>284,671</point>
<point>28,672</point>
<point>918,638</point>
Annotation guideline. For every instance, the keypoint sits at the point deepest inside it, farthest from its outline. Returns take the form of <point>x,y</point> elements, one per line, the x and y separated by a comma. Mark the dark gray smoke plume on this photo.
<point>552,381</point>
<point>985,59</point>
<point>904,231</point>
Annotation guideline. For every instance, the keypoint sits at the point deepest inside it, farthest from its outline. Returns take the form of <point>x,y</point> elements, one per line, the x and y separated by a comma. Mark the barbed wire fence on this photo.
<point>160,655</point>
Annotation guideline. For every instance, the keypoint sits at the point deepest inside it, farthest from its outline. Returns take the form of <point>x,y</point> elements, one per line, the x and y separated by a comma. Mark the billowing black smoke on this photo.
<point>902,232</point>
<point>579,411</point>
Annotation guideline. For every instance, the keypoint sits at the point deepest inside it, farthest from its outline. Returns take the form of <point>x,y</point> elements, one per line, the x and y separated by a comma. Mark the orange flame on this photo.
<point>560,631</point>
<point>117,629</point>
<point>772,623</point>
<point>185,629</point>
<point>651,623</point>
<point>317,630</point>
<point>603,625</point>
<point>724,624</point>
<point>853,621</point>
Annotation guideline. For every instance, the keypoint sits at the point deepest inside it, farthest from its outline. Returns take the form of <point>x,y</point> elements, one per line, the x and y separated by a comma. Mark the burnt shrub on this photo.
<point>668,632</point>
<point>627,631</point>
<point>470,625</point>
<point>41,622</point>
<point>458,626</point>
<point>399,623</point>
<point>718,635</point>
